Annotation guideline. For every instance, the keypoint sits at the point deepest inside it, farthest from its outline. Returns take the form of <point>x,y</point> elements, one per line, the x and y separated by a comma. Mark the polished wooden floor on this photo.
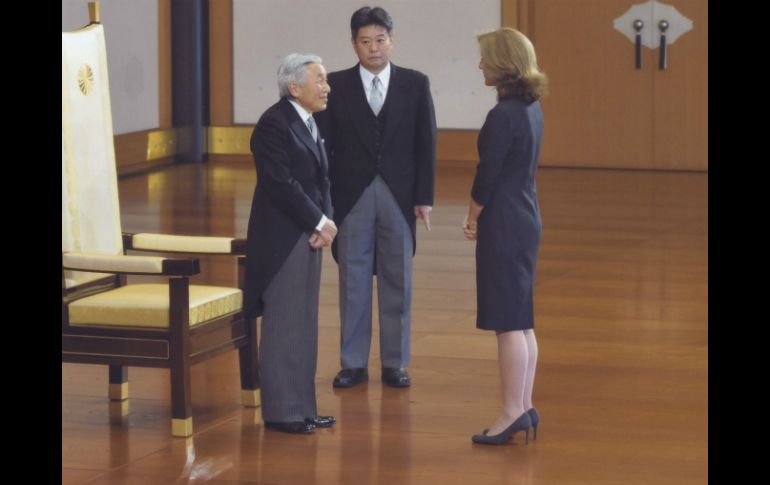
<point>621,319</point>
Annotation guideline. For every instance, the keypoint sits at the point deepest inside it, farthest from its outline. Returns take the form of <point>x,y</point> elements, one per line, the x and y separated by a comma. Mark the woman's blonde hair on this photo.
<point>510,54</point>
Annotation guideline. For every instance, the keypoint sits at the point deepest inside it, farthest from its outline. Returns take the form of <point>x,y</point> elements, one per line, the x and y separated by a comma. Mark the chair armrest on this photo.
<point>184,244</point>
<point>104,263</point>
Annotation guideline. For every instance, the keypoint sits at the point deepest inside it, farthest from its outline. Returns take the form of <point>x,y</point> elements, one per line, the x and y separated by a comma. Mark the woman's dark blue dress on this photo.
<point>509,227</point>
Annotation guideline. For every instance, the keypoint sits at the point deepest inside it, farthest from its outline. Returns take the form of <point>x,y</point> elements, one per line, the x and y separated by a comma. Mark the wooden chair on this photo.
<point>105,321</point>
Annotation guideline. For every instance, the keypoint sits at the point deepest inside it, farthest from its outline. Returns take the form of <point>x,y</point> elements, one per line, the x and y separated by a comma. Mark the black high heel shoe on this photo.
<point>522,423</point>
<point>535,418</point>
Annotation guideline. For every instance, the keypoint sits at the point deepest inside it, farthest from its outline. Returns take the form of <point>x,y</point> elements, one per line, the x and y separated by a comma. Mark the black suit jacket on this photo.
<point>406,155</point>
<point>292,194</point>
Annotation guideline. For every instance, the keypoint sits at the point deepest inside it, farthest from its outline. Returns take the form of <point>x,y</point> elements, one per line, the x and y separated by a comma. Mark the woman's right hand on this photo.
<point>469,229</point>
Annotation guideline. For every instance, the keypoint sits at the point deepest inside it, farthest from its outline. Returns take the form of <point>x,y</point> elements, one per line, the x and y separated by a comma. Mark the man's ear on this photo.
<point>293,89</point>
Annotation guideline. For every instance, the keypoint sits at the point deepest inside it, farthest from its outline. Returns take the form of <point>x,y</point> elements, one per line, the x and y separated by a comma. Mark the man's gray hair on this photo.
<point>293,70</point>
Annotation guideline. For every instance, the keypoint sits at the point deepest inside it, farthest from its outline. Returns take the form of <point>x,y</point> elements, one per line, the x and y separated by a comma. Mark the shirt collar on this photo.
<point>367,76</point>
<point>302,112</point>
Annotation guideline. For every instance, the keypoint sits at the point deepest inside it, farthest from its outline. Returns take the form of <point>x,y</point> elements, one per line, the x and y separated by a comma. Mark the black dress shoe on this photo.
<point>395,377</point>
<point>293,427</point>
<point>321,421</point>
<point>350,377</point>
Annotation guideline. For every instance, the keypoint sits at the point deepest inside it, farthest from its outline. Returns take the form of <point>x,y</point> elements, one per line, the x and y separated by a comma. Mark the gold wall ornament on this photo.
<point>229,140</point>
<point>86,79</point>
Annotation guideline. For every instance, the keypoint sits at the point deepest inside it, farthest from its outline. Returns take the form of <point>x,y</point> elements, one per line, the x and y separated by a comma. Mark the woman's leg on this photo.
<point>529,335</point>
<point>513,357</point>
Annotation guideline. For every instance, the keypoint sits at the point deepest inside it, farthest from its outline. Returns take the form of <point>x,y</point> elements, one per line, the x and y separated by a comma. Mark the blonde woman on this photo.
<point>504,220</point>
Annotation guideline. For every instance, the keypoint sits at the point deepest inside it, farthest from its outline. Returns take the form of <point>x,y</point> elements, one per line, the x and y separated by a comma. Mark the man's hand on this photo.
<point>423,212</point>
<point>324,237</point>
<point>315,241</point>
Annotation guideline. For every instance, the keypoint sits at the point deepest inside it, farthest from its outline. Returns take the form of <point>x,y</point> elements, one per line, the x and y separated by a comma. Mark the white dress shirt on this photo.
<point>367,76</point>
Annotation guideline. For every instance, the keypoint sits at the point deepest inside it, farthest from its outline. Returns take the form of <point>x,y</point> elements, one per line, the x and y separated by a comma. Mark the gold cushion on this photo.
<point>147,305</point>
<point>114,262</point>
<point>190,244</point>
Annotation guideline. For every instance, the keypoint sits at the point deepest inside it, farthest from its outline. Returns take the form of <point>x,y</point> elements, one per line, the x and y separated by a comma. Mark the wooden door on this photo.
<point>680,120</point>
<point>603,112</point>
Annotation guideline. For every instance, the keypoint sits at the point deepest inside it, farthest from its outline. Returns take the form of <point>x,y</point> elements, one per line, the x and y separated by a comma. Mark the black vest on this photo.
<point>377,126</point>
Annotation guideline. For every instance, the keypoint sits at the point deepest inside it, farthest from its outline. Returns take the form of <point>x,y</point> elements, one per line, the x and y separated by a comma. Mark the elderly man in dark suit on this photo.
<point>380,129</point>
<point>289,224</point>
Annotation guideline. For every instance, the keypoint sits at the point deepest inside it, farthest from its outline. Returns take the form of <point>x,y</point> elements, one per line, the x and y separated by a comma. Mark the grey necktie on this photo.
<point>375,100</point>
<point>313,129</point>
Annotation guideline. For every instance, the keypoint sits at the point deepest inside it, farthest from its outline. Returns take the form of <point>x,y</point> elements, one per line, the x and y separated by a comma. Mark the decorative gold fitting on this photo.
<point>181,427</point>
<point>119,392</point>
<point>250,398</point>
<point>93,12</point>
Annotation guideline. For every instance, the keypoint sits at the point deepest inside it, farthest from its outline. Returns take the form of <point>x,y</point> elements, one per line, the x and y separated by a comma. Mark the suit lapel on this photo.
<point>298,126</point>
<point>358,107</point>
<point>300,129</point>
<point>322,150</point>
<point>395,104</point>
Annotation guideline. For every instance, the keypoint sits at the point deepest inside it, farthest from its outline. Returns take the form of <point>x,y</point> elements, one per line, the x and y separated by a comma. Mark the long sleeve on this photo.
<point>495,140</point>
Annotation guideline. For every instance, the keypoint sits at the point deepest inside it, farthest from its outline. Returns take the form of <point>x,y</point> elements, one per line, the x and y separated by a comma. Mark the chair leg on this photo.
<point>181,400</point>
<point>118,383</point>
<point>179,343</point>
<point>249,364</point>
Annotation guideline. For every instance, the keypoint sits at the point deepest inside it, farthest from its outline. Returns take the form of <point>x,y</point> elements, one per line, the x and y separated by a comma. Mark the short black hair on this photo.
<point>370,16</point>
